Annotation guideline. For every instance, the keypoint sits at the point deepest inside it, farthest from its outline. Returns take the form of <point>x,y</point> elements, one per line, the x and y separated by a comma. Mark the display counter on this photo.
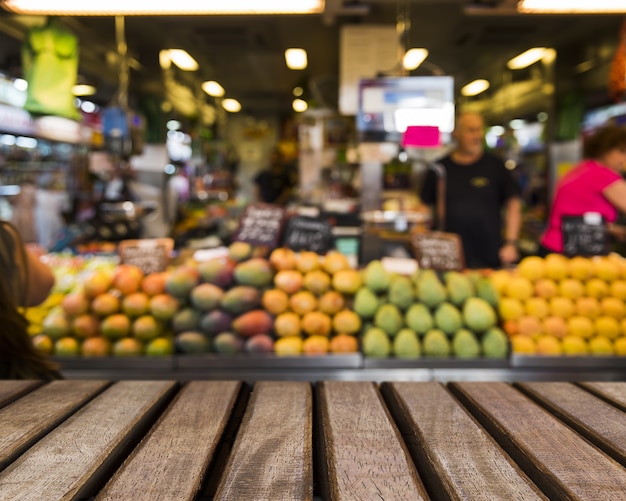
<point>294,440</point>
<point>348,367</point>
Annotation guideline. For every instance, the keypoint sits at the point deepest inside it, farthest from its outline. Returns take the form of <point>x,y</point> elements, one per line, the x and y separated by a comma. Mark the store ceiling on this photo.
<point>466,38</point>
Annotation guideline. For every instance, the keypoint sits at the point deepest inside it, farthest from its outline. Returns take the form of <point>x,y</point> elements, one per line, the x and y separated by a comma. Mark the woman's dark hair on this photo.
<point>605,139</point>
<point>19,359</point>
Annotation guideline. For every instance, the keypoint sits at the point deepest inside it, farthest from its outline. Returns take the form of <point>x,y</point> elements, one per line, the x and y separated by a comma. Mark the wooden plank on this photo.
<point>562,463</point>
<point>613,392</point>
<point>455,456</point>
<point>272,457</point>
<point>600,422</point>
<point>172,460</point>
<point>68,463</point>
<point>12,389</point>
<point>363,454</point>
<point>26,420</point>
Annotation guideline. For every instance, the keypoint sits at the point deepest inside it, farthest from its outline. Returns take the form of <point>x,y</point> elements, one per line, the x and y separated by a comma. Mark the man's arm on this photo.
<point>512,226</point>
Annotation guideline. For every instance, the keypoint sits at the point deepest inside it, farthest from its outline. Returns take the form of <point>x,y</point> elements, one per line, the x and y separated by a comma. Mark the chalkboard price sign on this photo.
<point>438,250</point>
<point>151,255</point>
<point>585,235</point>
<point>261,224</point>
<point>308,233</point>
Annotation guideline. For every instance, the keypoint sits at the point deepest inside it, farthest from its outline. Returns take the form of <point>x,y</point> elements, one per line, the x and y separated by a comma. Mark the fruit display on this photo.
<point>564,306</point>
<point>428,315</point>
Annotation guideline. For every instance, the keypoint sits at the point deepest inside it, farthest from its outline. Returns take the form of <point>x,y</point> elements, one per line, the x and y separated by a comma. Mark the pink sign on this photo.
<point>421,136</point>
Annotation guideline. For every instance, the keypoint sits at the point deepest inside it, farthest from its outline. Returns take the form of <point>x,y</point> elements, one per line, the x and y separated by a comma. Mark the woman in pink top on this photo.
<point>594,185</point>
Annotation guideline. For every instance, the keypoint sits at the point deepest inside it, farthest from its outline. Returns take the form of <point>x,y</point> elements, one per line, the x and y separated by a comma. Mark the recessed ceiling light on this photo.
<point>231,105</point>
<point>182,59</point>
<point>299,105</point>
<point>212,88</point>
<point>296,59</point>
<point>475,87</point>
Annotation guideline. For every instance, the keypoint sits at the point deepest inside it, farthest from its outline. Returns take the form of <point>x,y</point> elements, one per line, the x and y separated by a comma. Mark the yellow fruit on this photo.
<point>523,345</point>
<point>331,302</point>
<point>556,267</point>
<point>613,307</point>
<point>531,268</point>
<point>548,345</point>
<point>571,288</point>
<point>546,288</point>
<point>580,268</point>
<point>499,279</point>
<point>619,345</point>
<point>334,261</point>
<point>618,289</point>
<point>287,324</point>
<point>561,307</point>
<point>347,281</point>
<point>510,309</point>
<point>302,302</point>
<point>596,288</point>
<point>315,345</point>
<point>555,326</point>
<point>344,343</point>
<point>587,307</point>
<point>346,322</point>
<point>580,326</point>
<point>288,346</point>
<point>307,261</point>
<point>606,269</point>
<point>608,327</point>
<point>275,301</point>
<point>519,288</point>
<point>529,326</point>
<point>574,346</point>
<point>537,307</point>
<point>316,323</point>
<point>601,346</point>
<point>317,281</point>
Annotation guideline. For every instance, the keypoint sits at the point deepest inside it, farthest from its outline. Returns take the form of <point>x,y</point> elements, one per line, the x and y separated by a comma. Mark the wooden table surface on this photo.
<point>277,440</point>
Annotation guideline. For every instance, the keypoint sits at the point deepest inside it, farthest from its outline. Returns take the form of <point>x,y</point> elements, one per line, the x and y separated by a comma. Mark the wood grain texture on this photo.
<point>171,461</point>
<point>272,457</point>
<point>612,391</point>
<point>598,421</point>
<point>26,420</point>
<point>364,456</point>
<point>12,389</point>
<point>562,463</point>
<point>63,463</point>
<point>456,457</point>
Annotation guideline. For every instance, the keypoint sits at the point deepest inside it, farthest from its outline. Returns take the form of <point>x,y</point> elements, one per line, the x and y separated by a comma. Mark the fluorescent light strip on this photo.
<point>475,87</point>
<point>527,58</point>
<point>571,6</point>
<point>161,7</point>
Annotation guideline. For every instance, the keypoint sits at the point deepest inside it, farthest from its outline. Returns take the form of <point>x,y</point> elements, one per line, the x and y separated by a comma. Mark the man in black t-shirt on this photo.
<point>480,194</point>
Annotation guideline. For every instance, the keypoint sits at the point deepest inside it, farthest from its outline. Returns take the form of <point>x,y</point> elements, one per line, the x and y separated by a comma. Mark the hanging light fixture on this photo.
<point>161,7</point>
<point>181,58</point>
<point>231,105</point>
<point>475,87</point>
<point>212,88</point>
<point>296,59</point>
<point>527,58</point>
<point>413,58</point>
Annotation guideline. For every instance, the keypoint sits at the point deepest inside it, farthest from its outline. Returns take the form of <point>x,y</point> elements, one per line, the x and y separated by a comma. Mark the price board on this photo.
<point>438,250</point>
<point>261,224</point>
<point>151,254</point>
<point>585,235</point>
<point>308,233</point>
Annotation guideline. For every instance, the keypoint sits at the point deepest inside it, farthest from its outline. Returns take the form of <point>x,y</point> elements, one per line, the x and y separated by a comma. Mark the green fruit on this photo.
<point>375,343</point>
<point>406,344</point>
<point>486,291</point>
<point>436,344</point>
<point>459,286</point>
<point>389,319</point>
<point>494,343</point>
<point>465,344</point>
<point>478,315</point>
<point>376,277</point>
<point>401,292</point>
<point>365,303</point>
<point>256,272</point>
<point>448,318</point>
<point>191,342</point>
<point>430,290</point>
<point>419,318</point>
<point>240,299</point>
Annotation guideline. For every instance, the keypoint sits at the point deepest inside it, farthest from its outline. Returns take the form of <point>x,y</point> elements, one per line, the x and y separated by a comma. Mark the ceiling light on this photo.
<point>182,59</point>
<point>162,7</point>
<point>299,105</point>
<point>476,87</point>
<point>298,91</point>
<point>413,58</point>
<point>212,88</point>
<point>231,105</point>
<point>296,59</point>
<point>20,84</point>
<point>571,6</point>
<point>527,58</point>
<point>83,90</point>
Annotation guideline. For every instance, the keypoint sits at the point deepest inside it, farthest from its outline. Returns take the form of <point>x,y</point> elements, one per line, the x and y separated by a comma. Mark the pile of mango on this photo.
<point>453,315</point>
<point>564,306</point>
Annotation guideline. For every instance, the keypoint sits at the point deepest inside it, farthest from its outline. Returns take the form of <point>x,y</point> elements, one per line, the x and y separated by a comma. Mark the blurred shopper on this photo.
<point>594,185</point>
<point>52,202</point>
<point>277,183</point>
<point>26,281</point>
<point>24,211</point>
<point>481,200</point>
